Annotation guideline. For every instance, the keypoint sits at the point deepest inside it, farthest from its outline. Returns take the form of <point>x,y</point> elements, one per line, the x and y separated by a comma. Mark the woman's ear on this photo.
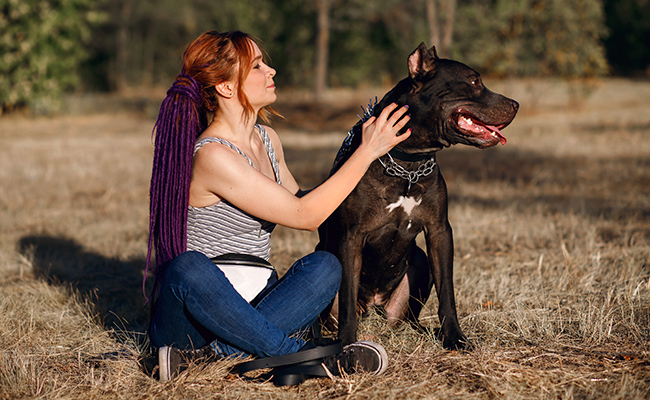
<point>225,89</point>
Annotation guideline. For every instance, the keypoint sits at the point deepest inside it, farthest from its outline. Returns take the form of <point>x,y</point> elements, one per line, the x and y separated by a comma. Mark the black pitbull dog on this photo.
<point>403,193</point>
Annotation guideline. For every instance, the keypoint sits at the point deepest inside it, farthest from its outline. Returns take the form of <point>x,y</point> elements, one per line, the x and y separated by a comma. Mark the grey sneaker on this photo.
<point>172,361</point>
<point>363,356</point>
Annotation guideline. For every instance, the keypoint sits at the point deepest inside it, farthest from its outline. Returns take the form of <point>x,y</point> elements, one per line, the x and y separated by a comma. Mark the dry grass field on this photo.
<point>552,263</point>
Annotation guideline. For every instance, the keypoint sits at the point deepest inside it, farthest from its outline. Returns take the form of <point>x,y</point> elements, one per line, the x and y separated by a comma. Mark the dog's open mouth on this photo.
<point>470,125</point>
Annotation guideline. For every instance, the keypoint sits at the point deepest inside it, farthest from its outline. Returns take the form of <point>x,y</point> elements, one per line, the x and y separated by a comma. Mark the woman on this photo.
<point>219,185</point>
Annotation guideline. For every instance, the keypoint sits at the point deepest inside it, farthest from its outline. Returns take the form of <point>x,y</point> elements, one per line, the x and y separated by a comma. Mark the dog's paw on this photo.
<point>455,341</point>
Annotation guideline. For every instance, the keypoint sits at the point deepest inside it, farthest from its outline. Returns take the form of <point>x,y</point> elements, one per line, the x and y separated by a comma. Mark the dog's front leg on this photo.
<point>440,249</point>
<point>350,256</point>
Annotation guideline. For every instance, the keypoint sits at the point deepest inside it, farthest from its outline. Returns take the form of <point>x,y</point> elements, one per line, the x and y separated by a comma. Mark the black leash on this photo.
<point>292,369</point>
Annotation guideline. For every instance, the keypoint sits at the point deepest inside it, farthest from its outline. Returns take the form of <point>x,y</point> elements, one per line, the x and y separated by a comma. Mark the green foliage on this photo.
<point>287,29</point>
<point>370,42</point>
<point>532,37</point>
<point>158,31</point>
<point>41,46</point>
<point>45,43</point>
<point>363,35</point>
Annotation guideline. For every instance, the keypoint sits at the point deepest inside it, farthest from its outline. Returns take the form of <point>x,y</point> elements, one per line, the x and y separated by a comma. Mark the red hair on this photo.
<point>214,58</point>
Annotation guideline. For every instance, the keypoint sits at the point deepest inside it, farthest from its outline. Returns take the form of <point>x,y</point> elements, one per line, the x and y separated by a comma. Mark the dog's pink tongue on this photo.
<point>496,130</point>
<point>480,128</point>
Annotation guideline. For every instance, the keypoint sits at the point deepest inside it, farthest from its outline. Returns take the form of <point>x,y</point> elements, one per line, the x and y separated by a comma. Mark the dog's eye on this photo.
<point>476,82</point>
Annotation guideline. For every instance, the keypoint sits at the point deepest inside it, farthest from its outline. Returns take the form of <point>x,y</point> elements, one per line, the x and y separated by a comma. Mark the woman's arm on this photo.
<point>222,171</point>
<point>288,181</point>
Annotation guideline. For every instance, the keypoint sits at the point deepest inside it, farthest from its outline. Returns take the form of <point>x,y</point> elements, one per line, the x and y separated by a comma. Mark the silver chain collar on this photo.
<point>394,169</point>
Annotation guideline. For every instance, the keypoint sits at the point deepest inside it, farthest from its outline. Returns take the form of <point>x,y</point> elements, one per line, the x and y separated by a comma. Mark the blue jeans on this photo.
<point>197,306</point>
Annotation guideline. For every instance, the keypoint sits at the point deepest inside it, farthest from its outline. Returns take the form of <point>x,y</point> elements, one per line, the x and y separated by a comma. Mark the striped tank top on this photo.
<point>222,228</point>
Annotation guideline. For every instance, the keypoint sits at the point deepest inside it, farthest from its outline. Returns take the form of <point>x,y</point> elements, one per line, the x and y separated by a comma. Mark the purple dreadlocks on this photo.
<point>180,121</point>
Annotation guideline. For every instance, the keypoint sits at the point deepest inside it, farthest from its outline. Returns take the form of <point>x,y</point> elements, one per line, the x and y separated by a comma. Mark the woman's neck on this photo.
<point>232,124</point>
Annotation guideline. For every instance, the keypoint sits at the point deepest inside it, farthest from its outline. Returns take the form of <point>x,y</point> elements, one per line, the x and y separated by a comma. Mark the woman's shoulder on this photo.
<point>212,145</point>
<point>218,154</point>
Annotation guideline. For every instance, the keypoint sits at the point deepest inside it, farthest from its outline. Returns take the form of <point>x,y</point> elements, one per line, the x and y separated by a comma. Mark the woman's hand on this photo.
<point>379,134</point>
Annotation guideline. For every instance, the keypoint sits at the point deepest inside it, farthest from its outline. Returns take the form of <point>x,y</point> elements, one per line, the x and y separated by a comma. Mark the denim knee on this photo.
<point>329,269</point>
<point>186,267</point>
<point>330,263</point>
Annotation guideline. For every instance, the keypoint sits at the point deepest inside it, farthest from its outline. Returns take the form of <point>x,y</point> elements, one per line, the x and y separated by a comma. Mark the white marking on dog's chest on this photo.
<point>407,203</point>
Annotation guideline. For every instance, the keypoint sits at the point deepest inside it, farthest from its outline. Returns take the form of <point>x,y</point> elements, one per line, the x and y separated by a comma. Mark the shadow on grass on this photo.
<point>113,286</point>
<point>611,188</point>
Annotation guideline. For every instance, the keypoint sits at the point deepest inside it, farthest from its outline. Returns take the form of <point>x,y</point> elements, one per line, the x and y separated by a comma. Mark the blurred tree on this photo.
<point>122,45</point>
<point>628,45</point>
<point>144,45</point>
<point>440,19</point>
<point>144,40</point>
<point>322,47</point>
<point>532,37</point>
<point>370,41</point>
<point>42,44</point>
<point>289,33</point>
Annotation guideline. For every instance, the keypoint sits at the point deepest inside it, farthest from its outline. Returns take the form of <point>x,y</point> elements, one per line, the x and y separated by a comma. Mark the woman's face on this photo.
<point>258,85</point>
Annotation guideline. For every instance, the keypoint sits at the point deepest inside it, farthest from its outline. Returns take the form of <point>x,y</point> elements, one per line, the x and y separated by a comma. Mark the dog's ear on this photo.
<point>421,61</point>
<point>433,51</point>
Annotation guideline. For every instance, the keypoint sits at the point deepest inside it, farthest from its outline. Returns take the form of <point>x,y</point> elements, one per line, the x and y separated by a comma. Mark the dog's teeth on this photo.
<point>468,121</point>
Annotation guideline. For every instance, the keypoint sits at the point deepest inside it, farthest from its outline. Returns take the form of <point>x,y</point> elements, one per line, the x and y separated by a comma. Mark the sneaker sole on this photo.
<point>383,356</point>
<point>163,363</point>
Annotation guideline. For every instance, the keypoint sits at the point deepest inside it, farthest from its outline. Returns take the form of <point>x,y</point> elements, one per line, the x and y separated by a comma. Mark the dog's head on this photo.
<point>449,104</point>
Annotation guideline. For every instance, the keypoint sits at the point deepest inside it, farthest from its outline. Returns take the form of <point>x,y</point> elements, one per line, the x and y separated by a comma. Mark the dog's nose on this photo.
<point>515,105</point>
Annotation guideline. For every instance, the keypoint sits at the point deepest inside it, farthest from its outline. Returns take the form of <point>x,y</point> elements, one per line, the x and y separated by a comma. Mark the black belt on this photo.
<point>241,259</point>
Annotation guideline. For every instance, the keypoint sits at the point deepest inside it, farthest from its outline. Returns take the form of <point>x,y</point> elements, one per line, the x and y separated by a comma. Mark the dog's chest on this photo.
<point>397,221</point>
<point>404,210</point>
<point>398,213</point>
<point>380,205</point>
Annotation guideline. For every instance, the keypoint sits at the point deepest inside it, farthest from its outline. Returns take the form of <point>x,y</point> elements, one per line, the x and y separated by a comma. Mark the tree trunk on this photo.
<point>122,46</point>
<point>440,19</point>
<point>449,11</point>
<point>322,48</point>
<point>149,54</point>
<point>432,23</point>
